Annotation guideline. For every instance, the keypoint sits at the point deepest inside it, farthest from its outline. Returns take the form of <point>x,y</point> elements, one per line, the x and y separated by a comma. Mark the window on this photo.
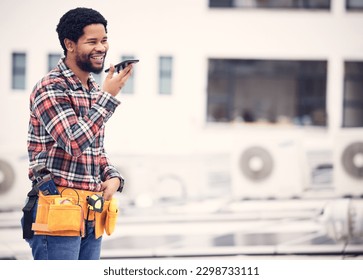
<point>270,4</point>
<point>354,5</point>
<point>353,94</point>
<point>165,74</point>
<point>98,78</point>
<point>53,60</point>
<point>267,91</point>
<point>18,71</point>
<point>129,86</point>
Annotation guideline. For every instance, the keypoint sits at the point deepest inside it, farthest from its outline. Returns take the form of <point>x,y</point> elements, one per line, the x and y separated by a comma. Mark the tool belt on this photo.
<point>65,214</point>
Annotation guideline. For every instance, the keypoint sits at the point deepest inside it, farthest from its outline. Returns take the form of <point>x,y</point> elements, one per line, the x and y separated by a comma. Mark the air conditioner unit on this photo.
<point>268,167</point>
<point>137,181</point>
<point>348,163</point>
<point>14,182</point>
<point>153,179</point>
<point>178,177</point>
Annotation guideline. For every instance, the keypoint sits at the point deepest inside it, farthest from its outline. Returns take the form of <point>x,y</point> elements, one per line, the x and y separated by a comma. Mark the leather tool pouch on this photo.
<point>111,218</point>
<point>59,215</point>
<point>106,220</point>
<point>100,220</point>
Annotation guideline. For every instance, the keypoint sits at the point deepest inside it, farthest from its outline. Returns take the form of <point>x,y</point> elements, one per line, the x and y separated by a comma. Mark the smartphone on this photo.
<point>123,64</point>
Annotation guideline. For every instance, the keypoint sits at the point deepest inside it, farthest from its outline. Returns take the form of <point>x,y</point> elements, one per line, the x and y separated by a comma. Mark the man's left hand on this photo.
<point>109,187</point>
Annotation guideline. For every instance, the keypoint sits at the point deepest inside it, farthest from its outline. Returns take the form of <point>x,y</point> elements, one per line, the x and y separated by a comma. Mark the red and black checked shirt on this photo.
<point>66,129</point>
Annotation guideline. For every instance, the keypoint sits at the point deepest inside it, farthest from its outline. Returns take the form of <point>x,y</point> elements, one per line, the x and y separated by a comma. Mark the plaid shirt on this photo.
<point>66,129</point>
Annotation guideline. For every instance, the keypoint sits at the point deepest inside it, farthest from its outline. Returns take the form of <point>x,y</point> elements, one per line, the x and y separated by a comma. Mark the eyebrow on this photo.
<point>95,39</point>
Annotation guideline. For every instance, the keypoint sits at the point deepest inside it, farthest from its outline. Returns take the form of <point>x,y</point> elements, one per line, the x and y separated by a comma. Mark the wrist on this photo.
<point>122,182</point>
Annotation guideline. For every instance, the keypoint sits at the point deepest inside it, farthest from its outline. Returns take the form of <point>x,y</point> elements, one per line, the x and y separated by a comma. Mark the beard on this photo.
<point>85,64</point>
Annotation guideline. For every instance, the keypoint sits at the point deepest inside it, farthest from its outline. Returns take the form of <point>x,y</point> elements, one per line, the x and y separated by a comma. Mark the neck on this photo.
<point>82,75</point>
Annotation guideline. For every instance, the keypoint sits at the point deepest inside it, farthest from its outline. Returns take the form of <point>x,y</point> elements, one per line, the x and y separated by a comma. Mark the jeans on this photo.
<point>46,247</point>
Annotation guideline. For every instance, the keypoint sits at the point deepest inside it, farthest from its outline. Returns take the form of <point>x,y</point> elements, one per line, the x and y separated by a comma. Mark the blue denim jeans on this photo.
<point>46,247</point>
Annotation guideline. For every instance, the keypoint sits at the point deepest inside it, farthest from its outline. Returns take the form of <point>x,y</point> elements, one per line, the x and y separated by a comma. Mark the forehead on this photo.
<point>93,31</point>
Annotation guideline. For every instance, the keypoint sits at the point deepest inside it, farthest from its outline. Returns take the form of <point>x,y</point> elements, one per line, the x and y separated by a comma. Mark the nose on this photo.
<point>101,47</point>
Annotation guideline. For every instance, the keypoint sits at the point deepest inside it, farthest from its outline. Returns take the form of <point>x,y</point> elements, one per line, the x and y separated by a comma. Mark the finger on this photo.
<point>103,186</point>
<point>107,195</point>
<point>111,71</point>
<point>125,73</point>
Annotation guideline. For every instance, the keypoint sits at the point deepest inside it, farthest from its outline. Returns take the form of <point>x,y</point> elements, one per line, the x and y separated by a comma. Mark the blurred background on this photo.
<point>240,134</point>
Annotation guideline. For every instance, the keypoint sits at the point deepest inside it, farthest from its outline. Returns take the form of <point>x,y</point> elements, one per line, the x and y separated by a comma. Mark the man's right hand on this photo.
<point>114,83</point>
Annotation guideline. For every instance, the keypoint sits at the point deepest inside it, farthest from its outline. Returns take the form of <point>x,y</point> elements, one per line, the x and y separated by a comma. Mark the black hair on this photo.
<point>72,23</point>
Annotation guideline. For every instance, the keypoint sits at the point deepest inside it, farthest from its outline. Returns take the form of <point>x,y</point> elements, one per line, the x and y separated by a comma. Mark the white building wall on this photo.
<point>148,123</point>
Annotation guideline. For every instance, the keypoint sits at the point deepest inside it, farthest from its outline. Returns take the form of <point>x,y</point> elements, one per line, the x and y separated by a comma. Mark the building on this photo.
<point>242,99</point>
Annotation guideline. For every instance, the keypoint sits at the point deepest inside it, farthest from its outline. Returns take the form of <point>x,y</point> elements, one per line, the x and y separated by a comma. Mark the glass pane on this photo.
<point>165,85</point>
<point>354,4</point>
<point>294,4</point>
<point>18,70</point>
<point>19,60</point>
<point>129,86</point>
<point>353,95</point>
<point>98,78</point>
<point>267,91</point>
<point>53,60</point>
<point>18,82</point>
<point>165,74</point>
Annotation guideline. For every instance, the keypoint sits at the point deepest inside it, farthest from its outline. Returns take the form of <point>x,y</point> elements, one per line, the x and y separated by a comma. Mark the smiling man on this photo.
<point>68,112</point>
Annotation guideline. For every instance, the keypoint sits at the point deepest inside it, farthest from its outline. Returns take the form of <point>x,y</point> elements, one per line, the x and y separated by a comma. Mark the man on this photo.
<point>68,112</point>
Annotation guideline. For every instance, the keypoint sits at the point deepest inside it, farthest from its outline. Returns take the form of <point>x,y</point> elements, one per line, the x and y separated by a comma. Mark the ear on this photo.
<point>70,45</point>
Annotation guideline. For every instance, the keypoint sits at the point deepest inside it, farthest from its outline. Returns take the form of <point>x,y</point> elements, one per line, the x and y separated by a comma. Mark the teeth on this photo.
<point>98,57</point>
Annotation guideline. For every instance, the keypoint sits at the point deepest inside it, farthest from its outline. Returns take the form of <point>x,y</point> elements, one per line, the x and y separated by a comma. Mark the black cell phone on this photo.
<point>123,64</point>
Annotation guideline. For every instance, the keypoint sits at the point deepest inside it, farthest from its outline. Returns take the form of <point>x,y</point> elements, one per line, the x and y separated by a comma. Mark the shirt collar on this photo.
<point>74,81</point>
